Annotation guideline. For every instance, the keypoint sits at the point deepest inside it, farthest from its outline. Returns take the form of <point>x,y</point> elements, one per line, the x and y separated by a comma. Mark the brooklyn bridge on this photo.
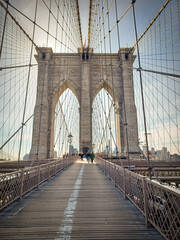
<point>89,119</point>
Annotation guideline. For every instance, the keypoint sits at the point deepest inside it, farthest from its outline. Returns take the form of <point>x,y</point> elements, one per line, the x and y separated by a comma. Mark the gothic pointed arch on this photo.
<point>107,87</point>
<point>85,78</point>
<point>53,102</point>
<point>59,90</point>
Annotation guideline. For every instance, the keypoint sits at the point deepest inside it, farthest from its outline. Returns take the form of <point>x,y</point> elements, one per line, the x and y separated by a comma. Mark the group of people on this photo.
<point>89,156</point>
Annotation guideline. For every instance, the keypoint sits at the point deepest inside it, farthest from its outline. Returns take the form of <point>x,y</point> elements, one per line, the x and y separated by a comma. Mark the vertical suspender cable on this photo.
<point>4,28</point>
<point>57,25</point>
<point>112,77</point>
<point>142,95</point>
<point>2,40</point>
<point>125,117</point>
<point>27,87</point>
<point>173,65</point>
<point>62,28</point>
<point>109,107</point>
<point>48,24</point>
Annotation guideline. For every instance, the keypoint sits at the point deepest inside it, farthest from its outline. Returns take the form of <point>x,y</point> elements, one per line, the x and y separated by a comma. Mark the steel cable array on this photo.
<point>110,29</point>
<point>159,44</point>
<point>21,33</point>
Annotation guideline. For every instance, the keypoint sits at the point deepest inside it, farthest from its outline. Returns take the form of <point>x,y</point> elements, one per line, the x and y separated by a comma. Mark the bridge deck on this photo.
<point>79,203</point>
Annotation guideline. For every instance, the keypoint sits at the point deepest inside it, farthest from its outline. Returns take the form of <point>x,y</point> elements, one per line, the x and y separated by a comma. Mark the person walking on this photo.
<point>81,155</point>
<point>88,155</point>
<point>92,157</point>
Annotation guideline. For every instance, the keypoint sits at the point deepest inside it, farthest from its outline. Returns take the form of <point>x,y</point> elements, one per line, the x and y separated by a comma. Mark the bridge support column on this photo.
<point>126,61</point>
<point>40,148</point>
<point>85,107</point>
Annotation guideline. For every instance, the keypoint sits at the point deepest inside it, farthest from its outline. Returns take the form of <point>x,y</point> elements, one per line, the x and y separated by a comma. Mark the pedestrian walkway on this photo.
<point>78,203</point>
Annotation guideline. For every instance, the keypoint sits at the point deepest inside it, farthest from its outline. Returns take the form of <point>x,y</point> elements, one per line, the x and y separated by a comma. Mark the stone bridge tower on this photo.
<point>85,73</point>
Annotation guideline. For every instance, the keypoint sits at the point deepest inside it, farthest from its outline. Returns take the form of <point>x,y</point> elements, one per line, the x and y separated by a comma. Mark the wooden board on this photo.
<point>100,211</point>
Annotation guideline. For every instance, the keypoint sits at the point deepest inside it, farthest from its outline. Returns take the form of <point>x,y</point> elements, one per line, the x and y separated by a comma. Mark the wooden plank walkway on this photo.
<point>78,203</point>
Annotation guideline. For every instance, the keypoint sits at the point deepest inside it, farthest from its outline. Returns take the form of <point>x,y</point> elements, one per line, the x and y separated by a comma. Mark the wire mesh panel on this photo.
<point>119,177</point>
<point>14,185</point>
<point>10,185</point>
<point>44,172</point>
<point>110,169</point>
<point>134,189</point>
<point>164,209</point>
<point>159,204</point>
<point>52,168</point>
<point>30,179</point>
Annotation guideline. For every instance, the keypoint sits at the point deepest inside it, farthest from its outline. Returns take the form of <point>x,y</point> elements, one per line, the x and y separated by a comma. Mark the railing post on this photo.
<point>109,169</point>
<point>145,203</point>
<point>38,176</point>
<point>57,164</point>
<point>48,171</point>
<point>124,183</point>
<point>21,186</point>
<point>66,162</point>
<point>63,163</point>
<point>55,167</point>
<point>115,175</point>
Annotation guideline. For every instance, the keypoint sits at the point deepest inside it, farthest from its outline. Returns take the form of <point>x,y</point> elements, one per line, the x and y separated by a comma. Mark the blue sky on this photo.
<point>145,12</point>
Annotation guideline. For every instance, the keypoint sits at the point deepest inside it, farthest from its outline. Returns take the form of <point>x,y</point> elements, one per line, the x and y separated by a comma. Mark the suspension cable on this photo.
<point>27,87</point>
<point>142,95</point>
<point>4,26</point>
<point>124,104</point>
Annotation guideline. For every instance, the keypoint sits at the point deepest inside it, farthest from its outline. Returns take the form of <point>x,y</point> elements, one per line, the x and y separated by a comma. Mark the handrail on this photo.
<point>158,203</point>
<point>16,184</point>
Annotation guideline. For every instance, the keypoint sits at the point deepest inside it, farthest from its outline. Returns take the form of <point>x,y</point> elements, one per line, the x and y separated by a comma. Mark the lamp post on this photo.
<point>70,141</point>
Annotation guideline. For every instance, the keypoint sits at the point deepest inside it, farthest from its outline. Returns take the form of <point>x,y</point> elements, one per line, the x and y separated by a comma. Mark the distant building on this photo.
<point>26,157</point>
<point>158,155</point>
<point>163,155</point>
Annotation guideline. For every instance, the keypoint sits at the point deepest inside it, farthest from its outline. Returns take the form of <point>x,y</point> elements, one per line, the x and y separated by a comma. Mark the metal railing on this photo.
<point>159,204</point>
<point>168,172</point>
<point>14,185</point>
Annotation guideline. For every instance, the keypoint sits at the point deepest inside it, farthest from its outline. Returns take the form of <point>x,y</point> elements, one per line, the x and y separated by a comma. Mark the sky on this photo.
<point>145,12</point>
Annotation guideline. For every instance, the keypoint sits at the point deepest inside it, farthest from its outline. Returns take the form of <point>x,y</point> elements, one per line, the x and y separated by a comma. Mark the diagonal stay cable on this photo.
<point>33,23</point>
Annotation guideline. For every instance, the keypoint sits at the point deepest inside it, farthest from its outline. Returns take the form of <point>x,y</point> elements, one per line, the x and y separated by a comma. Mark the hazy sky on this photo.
<point>145,11</point>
